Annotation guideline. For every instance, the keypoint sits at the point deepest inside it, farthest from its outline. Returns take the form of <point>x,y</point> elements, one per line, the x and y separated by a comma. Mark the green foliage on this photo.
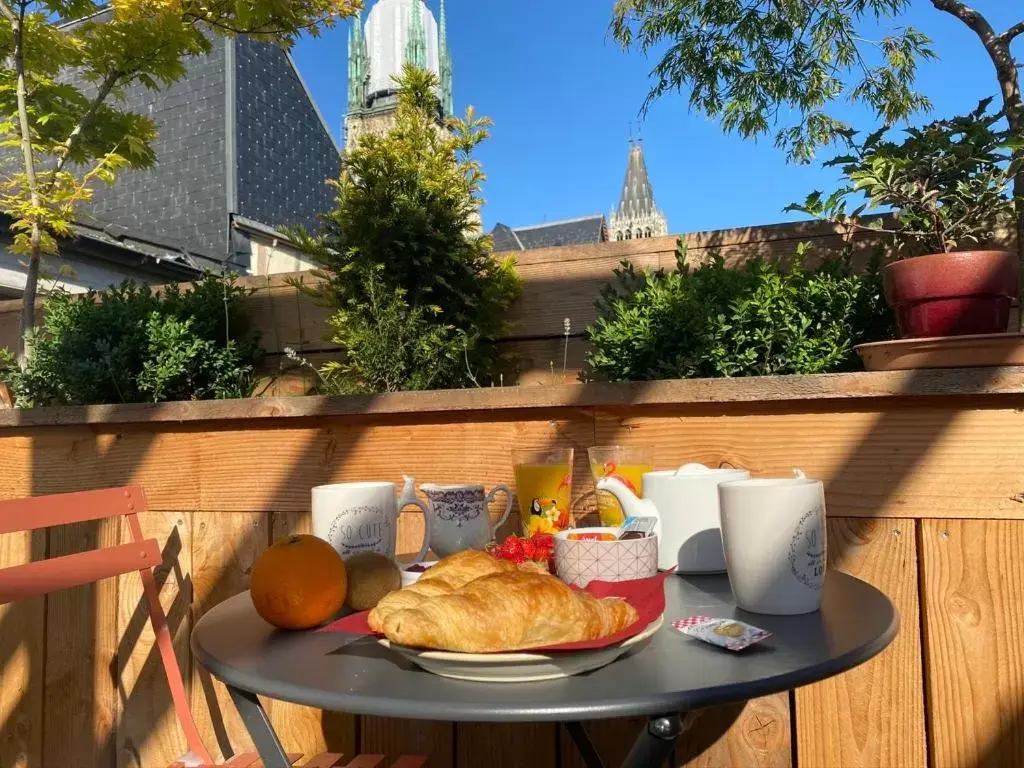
<point>392,346</point>
<point>746,62</point>
<point>947,184</point>
<point>129,344</point>
<point>758,320</point>
<point>401,249</point>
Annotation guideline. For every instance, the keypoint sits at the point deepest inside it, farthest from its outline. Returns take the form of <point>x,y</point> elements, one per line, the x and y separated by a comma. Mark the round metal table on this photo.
<point>666,675</point>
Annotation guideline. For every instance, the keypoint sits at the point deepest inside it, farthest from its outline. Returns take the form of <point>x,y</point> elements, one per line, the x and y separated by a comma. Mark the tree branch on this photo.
<point>968,16</point>
<point>7,13</point>
<point>1008,36</point>
<point>101,94</point>
<point>998,49</point>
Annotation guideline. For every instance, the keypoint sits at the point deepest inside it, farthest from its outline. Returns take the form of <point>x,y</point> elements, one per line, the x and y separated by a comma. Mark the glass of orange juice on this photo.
<point>626,463</point>
<point>544,489</point>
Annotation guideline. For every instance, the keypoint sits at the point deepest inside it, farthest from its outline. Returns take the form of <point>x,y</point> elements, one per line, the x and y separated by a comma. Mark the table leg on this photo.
<point>259,727</point>
<point>655,743</point>
<point>584,745</point>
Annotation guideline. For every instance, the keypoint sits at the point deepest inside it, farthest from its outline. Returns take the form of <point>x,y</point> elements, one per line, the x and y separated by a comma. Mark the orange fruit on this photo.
<point>298,583</point>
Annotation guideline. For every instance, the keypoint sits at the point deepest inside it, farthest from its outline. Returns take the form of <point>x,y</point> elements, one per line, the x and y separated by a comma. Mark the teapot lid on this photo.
<point>694,469</point>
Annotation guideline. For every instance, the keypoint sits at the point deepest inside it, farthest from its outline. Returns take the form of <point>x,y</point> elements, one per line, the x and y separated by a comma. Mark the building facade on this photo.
<point>396,32</point>
<point>637,216</point>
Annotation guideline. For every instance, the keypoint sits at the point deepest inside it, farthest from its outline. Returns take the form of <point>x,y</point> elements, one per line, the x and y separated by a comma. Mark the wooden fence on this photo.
<point>559,284</point>
<point>925,499</point>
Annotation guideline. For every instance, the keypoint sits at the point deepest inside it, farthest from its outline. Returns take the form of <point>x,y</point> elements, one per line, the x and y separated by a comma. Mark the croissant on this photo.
<point>465,566</point>
<point>448,575</point>
<point>507,612</point>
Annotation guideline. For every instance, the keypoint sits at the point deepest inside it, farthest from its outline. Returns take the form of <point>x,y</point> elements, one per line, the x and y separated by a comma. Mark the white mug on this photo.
<point>363,517</point>
<point>460,516</point>
<point>774,535</point>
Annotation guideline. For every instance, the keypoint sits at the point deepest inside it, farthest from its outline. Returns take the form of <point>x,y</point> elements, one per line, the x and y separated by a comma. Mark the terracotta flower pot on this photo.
<point>952,294</point>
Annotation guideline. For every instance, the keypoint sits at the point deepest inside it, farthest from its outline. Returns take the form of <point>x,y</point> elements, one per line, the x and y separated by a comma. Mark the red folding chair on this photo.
<point>21,582</point>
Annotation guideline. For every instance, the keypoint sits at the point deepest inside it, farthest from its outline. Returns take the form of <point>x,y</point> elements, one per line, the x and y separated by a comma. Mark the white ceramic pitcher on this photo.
<point>685,501</point>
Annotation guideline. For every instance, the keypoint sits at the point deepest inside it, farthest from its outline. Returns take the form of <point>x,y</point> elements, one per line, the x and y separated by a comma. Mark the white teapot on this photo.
<point>685,502</point>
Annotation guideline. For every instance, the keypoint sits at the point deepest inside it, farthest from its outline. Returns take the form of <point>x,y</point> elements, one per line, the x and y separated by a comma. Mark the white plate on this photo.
<point>518,667</point>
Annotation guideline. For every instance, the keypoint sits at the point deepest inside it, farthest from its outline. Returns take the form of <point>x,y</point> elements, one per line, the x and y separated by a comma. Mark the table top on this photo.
<point>671,672</point>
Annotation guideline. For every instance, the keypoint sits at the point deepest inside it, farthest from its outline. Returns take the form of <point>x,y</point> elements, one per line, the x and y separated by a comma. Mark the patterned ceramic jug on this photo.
<point>460,518</point>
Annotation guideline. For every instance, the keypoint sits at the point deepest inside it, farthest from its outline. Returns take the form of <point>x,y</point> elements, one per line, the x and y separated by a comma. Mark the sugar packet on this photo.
<point>637,527</point>
<point>725,633</point>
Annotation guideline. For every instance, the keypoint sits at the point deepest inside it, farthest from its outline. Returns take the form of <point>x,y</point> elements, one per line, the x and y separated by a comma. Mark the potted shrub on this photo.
<point>945,190</point>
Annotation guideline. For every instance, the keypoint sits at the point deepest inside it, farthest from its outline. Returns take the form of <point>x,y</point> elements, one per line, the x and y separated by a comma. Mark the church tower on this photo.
<point>637,216</point>
<point>395,32</point>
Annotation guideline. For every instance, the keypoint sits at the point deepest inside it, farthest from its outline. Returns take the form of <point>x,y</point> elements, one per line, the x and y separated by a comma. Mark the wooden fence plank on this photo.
<point>553,291</point>
<point>757,735</point>
<point>83,459</point>
<point>960,389</point>
<point>22,646</point>
<point>901,462</point>
<point>82,708</point>
<point>148,733</point>
<point>393,738</point>
<point>874,714</point>
<point>306,729</point>
<point>16,477</point>
<point>974,611</point>
<point>291,461</point>
<point>520,745</point>
<point>224,548</point>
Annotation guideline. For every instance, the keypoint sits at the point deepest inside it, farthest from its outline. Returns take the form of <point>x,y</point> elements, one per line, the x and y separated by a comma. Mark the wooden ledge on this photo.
<point>839,386</point>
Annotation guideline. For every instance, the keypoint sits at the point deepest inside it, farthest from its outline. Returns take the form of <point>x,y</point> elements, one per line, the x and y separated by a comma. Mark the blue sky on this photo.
<point>562,95</point>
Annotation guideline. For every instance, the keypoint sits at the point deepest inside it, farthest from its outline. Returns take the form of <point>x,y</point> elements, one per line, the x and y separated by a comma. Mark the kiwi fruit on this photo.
<point>371,576</point>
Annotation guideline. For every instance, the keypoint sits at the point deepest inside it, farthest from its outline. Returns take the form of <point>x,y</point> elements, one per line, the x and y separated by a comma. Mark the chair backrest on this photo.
<point>19,582</point>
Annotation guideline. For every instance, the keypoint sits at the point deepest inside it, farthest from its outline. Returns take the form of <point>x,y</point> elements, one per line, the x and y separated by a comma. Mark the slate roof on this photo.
<point>580,231</point>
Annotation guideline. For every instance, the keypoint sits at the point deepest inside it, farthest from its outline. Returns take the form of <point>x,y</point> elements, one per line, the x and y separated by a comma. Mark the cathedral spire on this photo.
<point>416,48</point>
<point>356,64</point>
<point>637,215</point>
<point>445,62</point>
<point>444,28</point>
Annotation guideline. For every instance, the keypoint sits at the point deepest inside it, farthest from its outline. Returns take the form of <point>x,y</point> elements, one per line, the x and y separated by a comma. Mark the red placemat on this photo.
<point>647,596</point>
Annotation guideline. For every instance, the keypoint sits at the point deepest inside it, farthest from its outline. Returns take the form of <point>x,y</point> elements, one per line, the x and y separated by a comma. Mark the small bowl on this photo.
<point>411,577</point>
<point>580,561</point>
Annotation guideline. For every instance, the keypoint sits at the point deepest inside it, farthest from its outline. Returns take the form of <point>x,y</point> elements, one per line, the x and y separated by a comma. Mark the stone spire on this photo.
<point>416,48</point>
<point>445,56</point>
<point>356,65</point>
<point>637,215</point>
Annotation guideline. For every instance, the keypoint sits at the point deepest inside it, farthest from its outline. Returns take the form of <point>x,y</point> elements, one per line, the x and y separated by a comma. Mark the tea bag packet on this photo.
<point>725,633</point>
<point>637,527</point>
